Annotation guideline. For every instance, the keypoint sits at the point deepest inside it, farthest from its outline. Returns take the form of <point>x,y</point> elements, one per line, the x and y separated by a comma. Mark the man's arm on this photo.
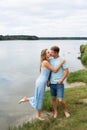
<point>66,71</point>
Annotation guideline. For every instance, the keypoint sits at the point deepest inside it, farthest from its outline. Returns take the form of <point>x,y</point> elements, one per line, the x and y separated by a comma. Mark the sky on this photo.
<point>44,18</point>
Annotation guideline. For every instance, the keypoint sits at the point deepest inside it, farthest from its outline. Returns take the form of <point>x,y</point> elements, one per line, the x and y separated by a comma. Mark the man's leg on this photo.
<point>54,103</point>
<point>63,104</point>
<point>60,94</point>
<point>53,91</point>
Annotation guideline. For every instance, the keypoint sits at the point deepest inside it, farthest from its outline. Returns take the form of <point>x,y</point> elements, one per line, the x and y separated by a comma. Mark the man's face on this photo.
<point>53,53</point>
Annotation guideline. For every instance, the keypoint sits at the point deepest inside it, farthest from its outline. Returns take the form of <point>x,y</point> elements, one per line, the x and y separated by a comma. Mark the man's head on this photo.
<point>54,50</point>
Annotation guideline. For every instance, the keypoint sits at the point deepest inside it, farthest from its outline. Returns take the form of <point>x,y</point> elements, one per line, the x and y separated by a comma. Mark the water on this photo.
<point>19,68</point>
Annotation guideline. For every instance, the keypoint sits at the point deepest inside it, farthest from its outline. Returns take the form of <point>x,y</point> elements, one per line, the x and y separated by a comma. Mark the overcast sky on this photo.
<point>43,17</point>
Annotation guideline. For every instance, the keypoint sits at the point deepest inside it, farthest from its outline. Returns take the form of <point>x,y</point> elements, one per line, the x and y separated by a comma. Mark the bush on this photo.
<point>83,50</point>
<point>84,57</point>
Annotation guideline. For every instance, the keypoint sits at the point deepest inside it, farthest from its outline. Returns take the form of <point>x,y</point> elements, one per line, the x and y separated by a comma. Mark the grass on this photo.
<point>77,76</point>
<point>83,50</point>
<point>78,110</point>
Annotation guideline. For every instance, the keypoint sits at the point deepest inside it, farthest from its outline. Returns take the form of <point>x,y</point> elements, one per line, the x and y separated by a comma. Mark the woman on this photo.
<point>45,68</point>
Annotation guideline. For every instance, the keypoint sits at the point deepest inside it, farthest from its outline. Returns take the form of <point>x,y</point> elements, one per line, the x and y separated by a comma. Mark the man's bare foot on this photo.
<point>55,114</point>
<point>40,118</point>
<point>24,99</point>
<point>67,114</point>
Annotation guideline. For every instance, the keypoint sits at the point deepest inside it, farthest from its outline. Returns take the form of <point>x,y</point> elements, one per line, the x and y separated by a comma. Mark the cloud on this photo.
<point>44,17</point>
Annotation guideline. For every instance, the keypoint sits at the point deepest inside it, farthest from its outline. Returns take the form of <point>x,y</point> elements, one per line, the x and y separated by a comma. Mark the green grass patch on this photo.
<point>77,76</point>
<point>78,111</point>
<point>83,50</point>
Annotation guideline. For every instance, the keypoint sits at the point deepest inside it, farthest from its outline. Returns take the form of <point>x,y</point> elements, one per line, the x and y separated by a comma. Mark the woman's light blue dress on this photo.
<point>40,85</point>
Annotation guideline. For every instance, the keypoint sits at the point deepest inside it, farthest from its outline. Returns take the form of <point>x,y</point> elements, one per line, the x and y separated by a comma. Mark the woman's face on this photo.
<point>47,54</point>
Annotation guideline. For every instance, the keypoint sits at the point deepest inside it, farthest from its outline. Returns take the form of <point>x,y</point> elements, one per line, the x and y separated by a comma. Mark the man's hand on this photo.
<point>48,83</point>
<point>66,71</point>
<point>60,81</point>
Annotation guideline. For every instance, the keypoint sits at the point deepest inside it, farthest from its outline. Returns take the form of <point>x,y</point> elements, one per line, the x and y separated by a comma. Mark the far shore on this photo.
<point>33,37</point>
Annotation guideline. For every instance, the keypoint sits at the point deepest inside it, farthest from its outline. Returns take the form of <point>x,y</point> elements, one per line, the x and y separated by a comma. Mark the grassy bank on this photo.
<point>77,76</point>
<point>78,110</point>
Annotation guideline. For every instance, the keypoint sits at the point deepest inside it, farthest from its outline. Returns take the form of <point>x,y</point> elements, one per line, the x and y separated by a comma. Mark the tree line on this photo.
<point>18,37</point>
<point>28,37</point>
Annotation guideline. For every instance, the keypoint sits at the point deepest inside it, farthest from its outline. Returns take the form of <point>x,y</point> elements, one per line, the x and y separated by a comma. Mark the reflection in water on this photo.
<point>19,68</point>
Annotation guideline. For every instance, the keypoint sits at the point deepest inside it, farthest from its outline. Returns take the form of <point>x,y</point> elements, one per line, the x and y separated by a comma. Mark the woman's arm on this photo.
<point>47,65</point>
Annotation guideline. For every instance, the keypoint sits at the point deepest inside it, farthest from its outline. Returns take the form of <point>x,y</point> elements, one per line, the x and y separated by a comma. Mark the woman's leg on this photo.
<point>38,115</point>
<point>24,99</point>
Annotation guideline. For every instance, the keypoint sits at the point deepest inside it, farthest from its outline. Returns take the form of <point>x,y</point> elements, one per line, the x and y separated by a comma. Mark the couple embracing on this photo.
<point>53,71</point>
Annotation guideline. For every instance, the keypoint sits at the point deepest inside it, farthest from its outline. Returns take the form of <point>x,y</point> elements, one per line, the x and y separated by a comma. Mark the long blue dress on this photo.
<point>37,100</point>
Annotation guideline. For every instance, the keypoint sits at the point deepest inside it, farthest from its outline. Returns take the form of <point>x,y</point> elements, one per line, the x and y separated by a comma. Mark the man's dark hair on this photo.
<point>55,49</point>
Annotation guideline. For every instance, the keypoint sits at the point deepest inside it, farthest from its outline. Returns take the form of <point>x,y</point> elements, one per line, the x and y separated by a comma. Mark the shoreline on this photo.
<point>45,114</point>
<point>26,119</point>
<point>23,120</point>
<point>75,84</point>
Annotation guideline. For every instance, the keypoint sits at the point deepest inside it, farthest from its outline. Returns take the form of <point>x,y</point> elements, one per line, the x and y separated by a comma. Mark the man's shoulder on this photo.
<point>59,58</point>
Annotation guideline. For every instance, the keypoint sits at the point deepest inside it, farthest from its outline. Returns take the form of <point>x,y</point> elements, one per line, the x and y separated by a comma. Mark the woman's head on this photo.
<point>45,54</point>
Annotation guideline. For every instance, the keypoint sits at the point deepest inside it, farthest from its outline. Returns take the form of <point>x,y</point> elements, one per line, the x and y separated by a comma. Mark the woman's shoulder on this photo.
<point>45,62</point>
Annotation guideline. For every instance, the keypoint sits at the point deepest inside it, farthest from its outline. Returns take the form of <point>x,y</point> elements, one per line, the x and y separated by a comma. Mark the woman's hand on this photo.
<point>62,61</point>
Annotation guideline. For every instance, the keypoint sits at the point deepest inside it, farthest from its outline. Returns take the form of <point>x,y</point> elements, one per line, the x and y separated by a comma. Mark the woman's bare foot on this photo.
<point>67,114</point>
<point>24,99</point>
<point>40,118</point>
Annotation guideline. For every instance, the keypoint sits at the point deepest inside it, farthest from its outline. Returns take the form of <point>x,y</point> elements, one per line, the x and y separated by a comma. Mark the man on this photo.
<point>56,82</point>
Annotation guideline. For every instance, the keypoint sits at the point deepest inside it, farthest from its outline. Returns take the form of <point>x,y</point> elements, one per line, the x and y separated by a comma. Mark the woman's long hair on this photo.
<point>42,56</point>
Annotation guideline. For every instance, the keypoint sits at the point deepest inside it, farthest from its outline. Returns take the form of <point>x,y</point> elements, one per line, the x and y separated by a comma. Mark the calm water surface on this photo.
<point>19,68</point>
